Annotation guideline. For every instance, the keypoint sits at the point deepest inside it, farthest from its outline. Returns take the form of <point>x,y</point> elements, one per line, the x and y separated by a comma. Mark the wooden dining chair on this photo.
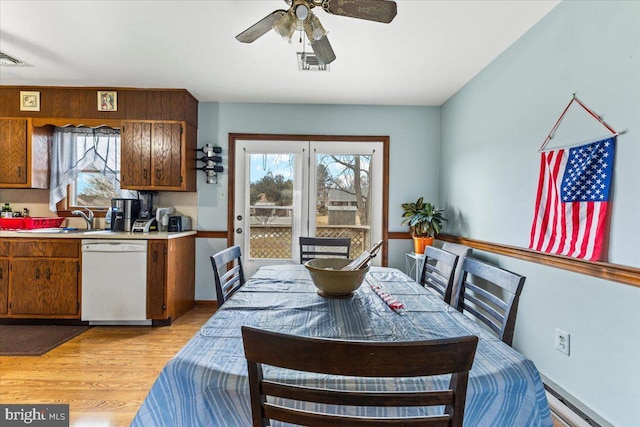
<point>438,269</point>
<point>323,247</point>
<point>490,294</point>
<point>355,359</point>
<point>227,272</point>
<point>462,251</point>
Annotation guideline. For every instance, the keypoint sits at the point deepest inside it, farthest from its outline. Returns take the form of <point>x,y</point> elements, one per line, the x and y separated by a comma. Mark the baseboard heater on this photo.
<point>569,414</point>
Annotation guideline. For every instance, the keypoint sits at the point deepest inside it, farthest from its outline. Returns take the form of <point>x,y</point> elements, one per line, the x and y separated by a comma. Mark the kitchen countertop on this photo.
<point>92,234</point>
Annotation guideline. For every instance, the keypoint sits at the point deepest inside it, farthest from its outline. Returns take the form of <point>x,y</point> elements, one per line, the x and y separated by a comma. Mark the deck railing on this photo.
<point>274,240</point>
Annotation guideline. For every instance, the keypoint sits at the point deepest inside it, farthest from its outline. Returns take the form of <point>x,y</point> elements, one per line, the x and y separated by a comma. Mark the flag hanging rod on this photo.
<point>574,98</point>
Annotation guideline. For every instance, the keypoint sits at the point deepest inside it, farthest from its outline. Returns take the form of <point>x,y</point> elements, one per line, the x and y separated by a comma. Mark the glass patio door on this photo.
<point>287,189</point>
<point>346,196</point>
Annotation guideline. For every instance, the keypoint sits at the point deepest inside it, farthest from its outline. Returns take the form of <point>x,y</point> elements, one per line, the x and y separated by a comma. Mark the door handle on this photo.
<point>239,230</point>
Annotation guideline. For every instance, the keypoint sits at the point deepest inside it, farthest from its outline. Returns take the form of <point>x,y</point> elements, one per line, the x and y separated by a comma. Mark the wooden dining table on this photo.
<point>206,383</point>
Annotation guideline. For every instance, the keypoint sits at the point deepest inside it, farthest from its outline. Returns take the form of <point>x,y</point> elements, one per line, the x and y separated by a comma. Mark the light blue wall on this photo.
<point>491,131</point>
<point>414,144</point>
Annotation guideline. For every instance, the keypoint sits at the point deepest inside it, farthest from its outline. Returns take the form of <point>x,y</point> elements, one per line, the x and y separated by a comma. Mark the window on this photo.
<point>92,189</point>
<point>85,168</point>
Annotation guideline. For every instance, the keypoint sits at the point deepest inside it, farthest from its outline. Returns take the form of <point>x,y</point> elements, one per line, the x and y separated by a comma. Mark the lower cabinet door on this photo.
<point>156,279</point>
<point>44,287</point>
<point>4,285</point>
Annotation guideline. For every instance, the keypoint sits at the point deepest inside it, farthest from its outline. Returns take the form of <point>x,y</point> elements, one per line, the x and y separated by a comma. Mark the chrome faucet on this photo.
<point>88,218</point>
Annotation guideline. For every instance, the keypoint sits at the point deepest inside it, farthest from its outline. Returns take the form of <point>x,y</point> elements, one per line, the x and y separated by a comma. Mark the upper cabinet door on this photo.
<point>14,146</point>
<point>166,154</point>
<point>135,162</point>
<point>152,156</point>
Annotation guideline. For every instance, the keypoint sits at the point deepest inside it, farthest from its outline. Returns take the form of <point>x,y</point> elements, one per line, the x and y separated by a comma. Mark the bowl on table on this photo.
<point>331,281</point>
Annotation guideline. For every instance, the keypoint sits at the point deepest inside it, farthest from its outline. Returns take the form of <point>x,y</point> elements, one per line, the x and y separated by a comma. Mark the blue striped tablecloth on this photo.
<point>205,384</point>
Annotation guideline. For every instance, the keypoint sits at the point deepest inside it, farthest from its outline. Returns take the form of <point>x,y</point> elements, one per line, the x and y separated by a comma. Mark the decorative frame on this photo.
<point>107,100</point>
<point>29,101</point>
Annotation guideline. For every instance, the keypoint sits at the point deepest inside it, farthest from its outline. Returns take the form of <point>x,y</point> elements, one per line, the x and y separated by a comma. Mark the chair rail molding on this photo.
<point>603,270</point>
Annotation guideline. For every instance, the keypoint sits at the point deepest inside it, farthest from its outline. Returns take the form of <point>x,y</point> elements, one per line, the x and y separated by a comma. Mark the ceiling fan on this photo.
<point>299,17</point>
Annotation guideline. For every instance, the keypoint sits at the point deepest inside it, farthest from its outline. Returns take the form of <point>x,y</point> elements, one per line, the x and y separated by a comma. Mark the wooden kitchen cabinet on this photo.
<point>157,155</point>
<point>4,285</point>
<point>156,279</point>
<point>170,278</point>
<point>25,155</point>
<point>4,277</point>
<point>44,287</point>
<point>44,278</point>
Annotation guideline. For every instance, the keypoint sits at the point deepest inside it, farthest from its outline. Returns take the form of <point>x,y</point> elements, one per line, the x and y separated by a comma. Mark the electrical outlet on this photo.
<point>562,341</point>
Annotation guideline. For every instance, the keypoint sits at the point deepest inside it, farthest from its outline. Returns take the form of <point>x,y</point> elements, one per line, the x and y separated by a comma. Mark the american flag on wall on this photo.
<point>572,201</point>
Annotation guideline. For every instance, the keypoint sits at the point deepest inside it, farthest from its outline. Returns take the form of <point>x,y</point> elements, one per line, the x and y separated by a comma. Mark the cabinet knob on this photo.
<point>1,274</point>
<point>19,171</point>
<point>144,173</point>
<point>239,230</point>
<point>37,273</point>
<point>47,273</point>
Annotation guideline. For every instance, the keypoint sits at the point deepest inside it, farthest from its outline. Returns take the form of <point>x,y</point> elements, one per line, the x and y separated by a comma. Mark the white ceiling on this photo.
<point>429,51</point>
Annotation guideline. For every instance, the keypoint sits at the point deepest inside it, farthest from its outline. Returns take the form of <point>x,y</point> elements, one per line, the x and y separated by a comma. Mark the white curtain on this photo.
<point>76,149</point>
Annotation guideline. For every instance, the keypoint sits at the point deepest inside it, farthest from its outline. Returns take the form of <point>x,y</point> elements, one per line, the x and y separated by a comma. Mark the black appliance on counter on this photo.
<point>124,212</point>
<point>146,221</point>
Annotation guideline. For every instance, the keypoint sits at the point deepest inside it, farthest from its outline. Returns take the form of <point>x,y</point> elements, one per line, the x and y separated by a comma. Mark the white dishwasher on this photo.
<point>114,282</point>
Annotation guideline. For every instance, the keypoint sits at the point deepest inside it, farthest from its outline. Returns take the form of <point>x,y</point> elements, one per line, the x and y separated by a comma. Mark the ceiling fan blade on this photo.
<point>323,51</point>
<point>261,27</point>
<point>372,10</point>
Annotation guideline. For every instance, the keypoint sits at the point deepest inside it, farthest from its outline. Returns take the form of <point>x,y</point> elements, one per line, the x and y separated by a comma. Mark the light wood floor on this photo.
<point>104,374</point>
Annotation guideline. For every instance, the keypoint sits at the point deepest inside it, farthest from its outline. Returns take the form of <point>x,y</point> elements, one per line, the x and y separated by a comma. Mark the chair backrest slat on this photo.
<point>438,270</point>
<point>498,312</point>
<point>355,359</point>
<point>323,247</point>
<point>462,251</point>
<point>227,272</point>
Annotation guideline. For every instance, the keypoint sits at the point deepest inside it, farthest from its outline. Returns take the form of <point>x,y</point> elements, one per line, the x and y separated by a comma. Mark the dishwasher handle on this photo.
<point>117,246</point>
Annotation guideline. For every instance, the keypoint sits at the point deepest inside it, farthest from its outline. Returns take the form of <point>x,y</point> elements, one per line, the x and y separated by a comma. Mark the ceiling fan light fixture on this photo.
<point>313,28</point>
<point>302,11</point>
<point>285,27</point>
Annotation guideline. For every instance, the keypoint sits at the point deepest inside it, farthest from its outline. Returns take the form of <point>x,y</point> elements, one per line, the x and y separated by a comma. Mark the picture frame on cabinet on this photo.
<point>107,100</point>
<point>29,101</point>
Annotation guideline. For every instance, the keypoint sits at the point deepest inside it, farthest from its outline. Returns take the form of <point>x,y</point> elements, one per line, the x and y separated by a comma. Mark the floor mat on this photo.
<point>35,340</point>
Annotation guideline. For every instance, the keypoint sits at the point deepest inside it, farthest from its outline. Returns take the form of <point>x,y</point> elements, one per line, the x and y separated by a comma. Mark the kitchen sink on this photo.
<point>52,230</point>
<point>65,231</point>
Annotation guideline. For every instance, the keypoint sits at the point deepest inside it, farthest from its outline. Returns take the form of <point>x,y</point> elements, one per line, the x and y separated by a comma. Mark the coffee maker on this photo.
<point>146,221</point>
<point>123,213</point>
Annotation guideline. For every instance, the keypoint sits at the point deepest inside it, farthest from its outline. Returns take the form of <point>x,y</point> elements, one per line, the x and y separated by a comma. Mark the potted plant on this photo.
<point>424,220</point>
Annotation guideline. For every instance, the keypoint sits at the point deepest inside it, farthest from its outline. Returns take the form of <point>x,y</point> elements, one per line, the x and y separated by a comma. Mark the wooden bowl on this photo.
<point>331,281</point>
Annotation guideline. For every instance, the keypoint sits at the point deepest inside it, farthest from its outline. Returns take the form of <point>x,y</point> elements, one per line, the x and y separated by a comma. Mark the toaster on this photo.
<point>179,223</point>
